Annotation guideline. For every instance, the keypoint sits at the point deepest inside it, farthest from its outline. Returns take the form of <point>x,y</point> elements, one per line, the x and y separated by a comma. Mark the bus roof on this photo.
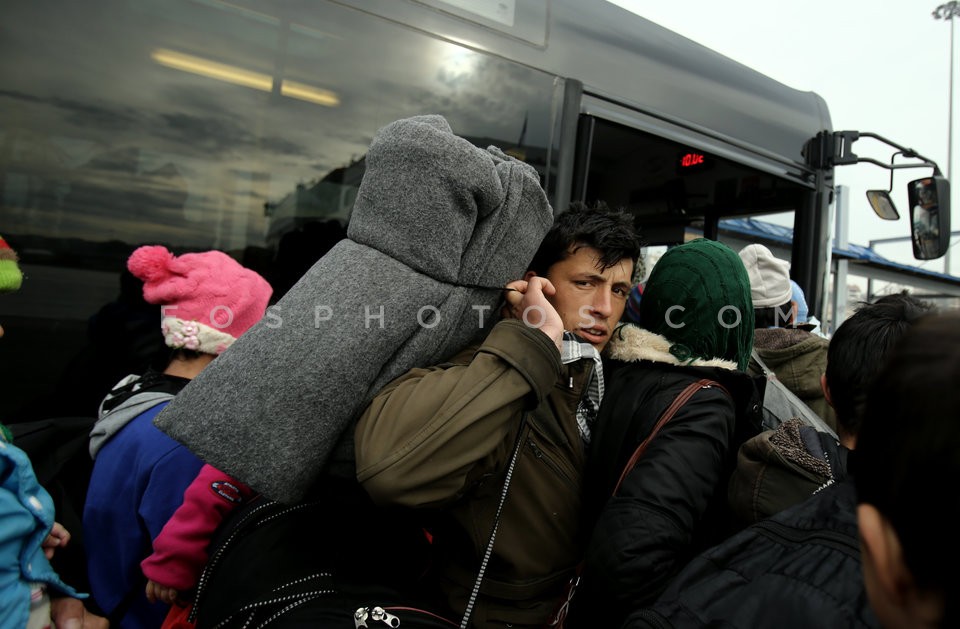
<point>622,57</point>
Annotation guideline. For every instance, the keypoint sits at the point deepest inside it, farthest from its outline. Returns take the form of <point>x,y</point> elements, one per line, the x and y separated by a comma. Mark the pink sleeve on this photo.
<point>180,550</point>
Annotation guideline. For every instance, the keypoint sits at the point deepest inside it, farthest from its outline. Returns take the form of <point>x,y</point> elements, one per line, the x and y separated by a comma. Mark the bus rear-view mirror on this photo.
<point>929,216</point>
<point>883,205</point>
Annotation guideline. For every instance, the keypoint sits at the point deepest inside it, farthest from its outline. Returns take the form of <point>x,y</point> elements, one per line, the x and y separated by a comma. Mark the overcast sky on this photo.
<point>881,66</point>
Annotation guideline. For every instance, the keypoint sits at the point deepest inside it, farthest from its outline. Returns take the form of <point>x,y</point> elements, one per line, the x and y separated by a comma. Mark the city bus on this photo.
<point>241,125</point>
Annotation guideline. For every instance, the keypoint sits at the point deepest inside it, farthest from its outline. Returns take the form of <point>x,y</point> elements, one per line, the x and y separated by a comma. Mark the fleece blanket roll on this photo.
<point>438,225</point>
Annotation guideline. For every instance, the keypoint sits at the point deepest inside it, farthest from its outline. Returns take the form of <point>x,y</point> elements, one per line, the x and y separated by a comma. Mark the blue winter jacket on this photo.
<point>139,476</point>
<point>26,516</point>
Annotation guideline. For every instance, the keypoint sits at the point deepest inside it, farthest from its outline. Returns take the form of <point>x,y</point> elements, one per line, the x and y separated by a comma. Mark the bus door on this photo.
<point>673,177</point>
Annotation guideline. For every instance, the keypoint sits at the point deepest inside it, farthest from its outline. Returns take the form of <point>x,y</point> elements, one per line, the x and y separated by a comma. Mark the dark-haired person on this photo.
<point>907,464</point>
<point>696,323</point>
<point>793,353</point>
<point>442,437</point>
<point>783,467</point>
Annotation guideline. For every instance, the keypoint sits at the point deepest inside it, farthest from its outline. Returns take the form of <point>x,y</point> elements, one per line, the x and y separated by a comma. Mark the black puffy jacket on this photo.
<point>801,568</point>
<point>673,504</point>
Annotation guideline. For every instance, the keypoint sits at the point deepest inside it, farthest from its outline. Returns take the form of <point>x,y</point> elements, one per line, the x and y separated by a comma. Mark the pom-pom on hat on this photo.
<point>10,275</point>
<point>769,277</point>
<point>207,299</point>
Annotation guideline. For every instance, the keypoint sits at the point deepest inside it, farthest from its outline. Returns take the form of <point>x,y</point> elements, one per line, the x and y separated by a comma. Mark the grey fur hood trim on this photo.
<point>631,343</point>
<point>795,443</point>
<point>435,217</point>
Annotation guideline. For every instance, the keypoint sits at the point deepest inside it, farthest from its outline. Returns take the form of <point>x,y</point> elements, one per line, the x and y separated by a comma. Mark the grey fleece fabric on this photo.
<point>110,423</point>
<point>434,215</point>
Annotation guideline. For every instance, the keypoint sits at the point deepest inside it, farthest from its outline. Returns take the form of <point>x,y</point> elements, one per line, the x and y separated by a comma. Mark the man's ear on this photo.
<point>880,543</point>
<point>528,275</point>
<point>826,389</point>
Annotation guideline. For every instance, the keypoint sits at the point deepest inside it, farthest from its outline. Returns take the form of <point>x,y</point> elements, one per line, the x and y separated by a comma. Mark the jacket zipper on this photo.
<point>839,541</point>
<point>540,454</point>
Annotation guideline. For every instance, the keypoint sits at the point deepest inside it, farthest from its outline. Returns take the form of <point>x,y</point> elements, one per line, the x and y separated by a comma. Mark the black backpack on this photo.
<point>332,560</point>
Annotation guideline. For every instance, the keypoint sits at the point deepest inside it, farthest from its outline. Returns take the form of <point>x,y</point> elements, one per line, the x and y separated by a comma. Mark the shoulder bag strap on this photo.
<point>681,399</point>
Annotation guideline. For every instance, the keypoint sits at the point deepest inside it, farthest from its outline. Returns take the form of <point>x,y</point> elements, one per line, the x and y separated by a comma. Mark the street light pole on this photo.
<point>947,12</point>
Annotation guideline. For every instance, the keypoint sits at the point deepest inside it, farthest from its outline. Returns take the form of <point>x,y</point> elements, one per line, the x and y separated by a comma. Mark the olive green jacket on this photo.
<point>798,358</point>
<point>781,468</point>
<point>443,436</point>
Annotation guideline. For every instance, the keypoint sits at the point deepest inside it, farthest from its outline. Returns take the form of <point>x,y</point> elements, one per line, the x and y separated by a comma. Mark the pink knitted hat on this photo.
<point>208,299</point>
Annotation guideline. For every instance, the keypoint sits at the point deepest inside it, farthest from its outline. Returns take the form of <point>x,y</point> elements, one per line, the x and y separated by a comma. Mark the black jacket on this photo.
<point>800,568</point>
<point>673,504</point>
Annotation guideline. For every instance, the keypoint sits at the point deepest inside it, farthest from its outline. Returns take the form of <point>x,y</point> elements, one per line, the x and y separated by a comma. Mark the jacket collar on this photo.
<point>631,343</point>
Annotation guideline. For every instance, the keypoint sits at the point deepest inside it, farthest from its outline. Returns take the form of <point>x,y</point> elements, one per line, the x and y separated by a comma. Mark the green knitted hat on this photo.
<point>698,297</point>
<point>10,275</point>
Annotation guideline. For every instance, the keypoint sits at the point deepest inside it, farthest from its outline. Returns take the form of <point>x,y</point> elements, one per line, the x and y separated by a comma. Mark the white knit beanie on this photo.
<point>769,277</point>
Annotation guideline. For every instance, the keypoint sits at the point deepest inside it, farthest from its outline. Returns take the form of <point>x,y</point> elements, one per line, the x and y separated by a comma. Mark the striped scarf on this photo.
<point>575,349</point>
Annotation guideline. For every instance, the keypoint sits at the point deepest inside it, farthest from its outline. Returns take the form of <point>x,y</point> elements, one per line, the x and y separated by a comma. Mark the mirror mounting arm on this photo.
<point>843,154</point>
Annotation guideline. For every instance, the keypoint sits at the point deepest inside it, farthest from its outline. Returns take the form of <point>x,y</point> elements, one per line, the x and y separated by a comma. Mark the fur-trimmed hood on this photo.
<point>631,343</point>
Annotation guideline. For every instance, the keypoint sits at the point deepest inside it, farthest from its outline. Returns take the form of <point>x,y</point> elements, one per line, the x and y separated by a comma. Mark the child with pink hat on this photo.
<point>141,477</point>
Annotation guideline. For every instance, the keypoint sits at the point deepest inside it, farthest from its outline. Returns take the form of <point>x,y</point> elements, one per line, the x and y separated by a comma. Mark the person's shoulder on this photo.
<point>141,434</point>
<point>462,357</point>
<point>833,507</point>
<point>803,564</point>
<point>814,342</point>
<point>778,469</point>
<point>771,342</point>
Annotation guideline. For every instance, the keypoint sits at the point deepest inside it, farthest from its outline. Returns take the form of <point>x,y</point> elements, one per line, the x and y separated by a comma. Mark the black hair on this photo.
<point>907,460</point>
<point>611,232</point>
<point>858,348</point>
<point>773,316</point>
<point>181,353</point>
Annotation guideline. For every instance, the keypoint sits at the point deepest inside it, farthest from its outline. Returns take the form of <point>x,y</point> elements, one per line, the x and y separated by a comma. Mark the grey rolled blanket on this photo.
<point>435,218</point>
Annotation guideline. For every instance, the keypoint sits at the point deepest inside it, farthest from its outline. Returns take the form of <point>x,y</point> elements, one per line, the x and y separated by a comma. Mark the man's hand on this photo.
<point>69,613</point>
<point>527,302</point>
<point>157,592</point>
<point>58,538</point>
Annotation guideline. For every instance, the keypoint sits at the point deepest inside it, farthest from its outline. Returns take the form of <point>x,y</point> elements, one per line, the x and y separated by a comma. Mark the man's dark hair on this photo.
<point>859,348</point>
<point>908,453</point>
<point>773,316</point>
<point>611,232</point>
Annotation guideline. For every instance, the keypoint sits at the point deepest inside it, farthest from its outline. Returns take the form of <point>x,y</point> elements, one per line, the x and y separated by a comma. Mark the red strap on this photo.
<point>178,617</point>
